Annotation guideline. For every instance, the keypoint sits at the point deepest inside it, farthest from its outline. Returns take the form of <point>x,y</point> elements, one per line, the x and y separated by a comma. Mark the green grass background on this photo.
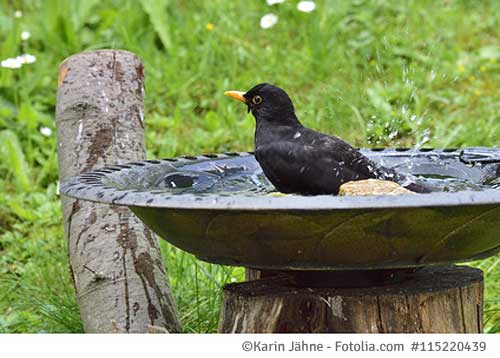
<point>377,73</point>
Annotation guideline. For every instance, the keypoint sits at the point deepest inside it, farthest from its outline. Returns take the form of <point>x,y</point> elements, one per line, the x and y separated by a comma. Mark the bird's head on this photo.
<point>267,102</point>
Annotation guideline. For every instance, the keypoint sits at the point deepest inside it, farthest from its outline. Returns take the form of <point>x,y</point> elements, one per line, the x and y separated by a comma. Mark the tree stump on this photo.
<point>430,300</point>
<point>116,264</point>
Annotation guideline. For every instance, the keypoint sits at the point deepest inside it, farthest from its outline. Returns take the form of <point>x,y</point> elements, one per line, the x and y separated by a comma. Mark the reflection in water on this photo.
<point>187,180</point>
<point>220,179</point>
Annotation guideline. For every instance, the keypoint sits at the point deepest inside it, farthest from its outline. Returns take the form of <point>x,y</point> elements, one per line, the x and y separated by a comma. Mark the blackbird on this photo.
<point>300,160</point>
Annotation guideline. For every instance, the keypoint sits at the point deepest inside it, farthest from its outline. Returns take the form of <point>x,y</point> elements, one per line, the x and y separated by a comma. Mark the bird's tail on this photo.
<point>418,188</point>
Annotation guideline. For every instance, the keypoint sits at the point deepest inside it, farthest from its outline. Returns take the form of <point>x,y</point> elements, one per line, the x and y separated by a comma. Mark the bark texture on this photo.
<point>432,300</point>
<point>116,264</point>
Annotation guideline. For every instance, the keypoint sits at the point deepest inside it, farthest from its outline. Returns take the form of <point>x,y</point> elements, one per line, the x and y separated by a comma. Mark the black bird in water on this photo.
<point>300,160</point>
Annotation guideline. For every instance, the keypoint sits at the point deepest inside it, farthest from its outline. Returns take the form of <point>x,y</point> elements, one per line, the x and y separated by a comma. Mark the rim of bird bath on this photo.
<point>94,186</point>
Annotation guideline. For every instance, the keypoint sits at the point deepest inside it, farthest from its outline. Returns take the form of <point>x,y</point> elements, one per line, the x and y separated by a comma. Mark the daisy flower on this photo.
<point>11,63</point>
<point>18,62</point>
<point>26,58</point>
<point>46,131</point>
<point>273,2</point>
<point>25,35</point>
<point>269,20</point>
<point>306,6</point>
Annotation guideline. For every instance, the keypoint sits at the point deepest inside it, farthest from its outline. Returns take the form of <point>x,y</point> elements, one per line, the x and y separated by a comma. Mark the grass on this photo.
<point>377,73</point>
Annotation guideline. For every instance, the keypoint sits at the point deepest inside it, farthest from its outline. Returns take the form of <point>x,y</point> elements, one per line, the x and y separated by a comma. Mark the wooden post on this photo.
<point>116,264</point>
<point>438,299</point>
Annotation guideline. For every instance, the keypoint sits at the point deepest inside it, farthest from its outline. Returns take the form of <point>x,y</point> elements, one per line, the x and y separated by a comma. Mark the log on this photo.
<point>430,300</point>
<point>116,264</point>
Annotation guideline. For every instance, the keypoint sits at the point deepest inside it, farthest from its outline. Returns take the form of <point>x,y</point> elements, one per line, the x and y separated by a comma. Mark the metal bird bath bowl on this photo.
<point>218,207</point>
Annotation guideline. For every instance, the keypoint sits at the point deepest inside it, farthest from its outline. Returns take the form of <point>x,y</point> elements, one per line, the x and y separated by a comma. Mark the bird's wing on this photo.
<point>352,159</point>
<point>361,167</point>
<point>323,162</point>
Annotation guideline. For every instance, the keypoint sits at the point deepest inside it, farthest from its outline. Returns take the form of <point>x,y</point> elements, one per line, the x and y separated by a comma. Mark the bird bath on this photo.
<point>220,208</point>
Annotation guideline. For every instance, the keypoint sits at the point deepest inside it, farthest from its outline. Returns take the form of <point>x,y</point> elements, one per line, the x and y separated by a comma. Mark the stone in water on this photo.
<point>372,187</point>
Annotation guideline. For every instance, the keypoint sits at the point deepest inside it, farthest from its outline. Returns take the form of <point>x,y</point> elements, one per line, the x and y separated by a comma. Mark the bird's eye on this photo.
<point>257,100</point>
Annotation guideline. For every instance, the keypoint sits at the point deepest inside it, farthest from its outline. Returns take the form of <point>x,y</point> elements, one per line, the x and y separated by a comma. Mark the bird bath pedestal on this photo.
<point>329,263</point>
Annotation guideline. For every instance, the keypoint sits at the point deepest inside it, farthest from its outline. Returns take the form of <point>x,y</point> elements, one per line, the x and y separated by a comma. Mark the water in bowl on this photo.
<point>227,178</point>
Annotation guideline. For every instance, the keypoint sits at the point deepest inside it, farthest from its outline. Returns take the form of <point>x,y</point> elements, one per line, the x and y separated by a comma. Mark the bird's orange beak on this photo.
<point>236,95</point>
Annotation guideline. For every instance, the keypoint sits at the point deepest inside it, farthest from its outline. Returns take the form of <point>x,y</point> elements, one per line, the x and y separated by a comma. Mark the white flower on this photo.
<point>26,58</point>
<point>25,35</point>
<point>19,61</point>
<point>18,14</point>
<point>46,131</point>
<point>269,20</point>
<point>273,2</point>
<point>11,63</point>
<point>306,6</point>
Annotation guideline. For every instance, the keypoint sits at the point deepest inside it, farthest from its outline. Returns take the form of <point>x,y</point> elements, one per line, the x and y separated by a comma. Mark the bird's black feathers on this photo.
<point>297,159</point>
